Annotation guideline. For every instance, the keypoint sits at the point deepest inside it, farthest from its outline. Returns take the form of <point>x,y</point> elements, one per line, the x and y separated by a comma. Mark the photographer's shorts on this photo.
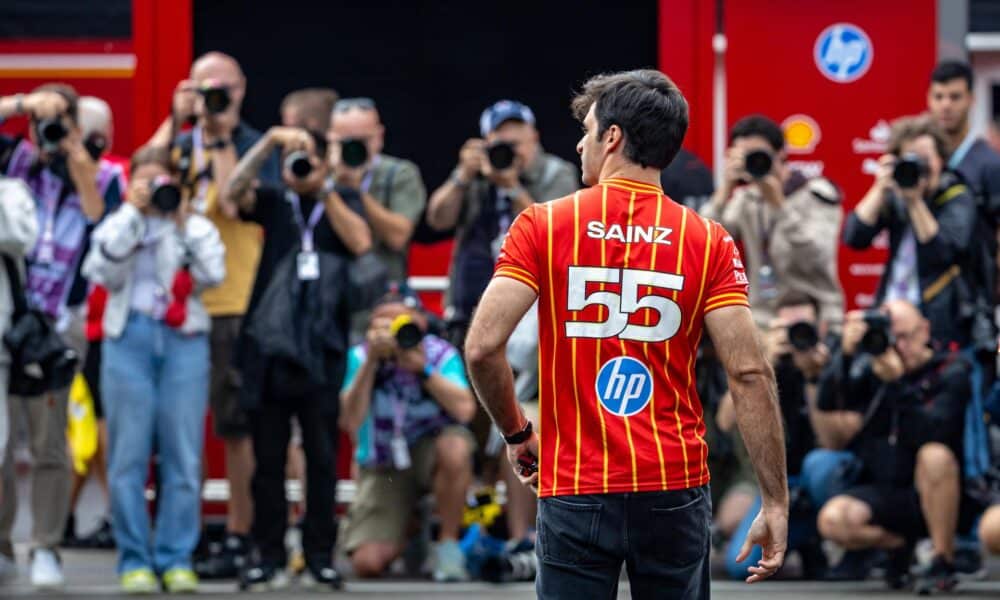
<point>898,509</point>
<point>229,419</point>
<point>385,500</point>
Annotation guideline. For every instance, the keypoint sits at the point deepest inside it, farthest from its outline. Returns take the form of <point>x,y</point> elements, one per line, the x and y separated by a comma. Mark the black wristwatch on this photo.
<point>520,437</point>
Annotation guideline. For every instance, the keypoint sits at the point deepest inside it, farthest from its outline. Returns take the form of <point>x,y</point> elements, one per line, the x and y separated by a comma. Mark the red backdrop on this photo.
<point>770,69</point>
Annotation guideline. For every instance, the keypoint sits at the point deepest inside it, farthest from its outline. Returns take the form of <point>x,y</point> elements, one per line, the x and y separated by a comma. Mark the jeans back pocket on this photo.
<point>679,528</point>
<point>567,531</point>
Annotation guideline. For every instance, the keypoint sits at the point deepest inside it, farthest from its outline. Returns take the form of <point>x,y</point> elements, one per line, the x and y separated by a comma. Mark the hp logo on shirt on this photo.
<point>624,386</point>
<point>843,52</point>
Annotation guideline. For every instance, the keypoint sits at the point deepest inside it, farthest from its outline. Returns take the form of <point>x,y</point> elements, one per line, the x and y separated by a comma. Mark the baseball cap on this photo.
<point>502,111</point>
<point>399,292</point>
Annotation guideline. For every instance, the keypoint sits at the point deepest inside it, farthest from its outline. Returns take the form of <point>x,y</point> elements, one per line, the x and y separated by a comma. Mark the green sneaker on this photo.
<point>139,581</point>
<point>180,580</point>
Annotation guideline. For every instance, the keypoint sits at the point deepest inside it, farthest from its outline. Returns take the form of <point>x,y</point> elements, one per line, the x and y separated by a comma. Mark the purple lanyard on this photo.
<point>306,229</point>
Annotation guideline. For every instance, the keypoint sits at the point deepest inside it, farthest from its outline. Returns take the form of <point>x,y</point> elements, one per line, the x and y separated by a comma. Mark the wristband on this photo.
<point>19,106</point>
<point>456,180</point>
<point>521,436</point>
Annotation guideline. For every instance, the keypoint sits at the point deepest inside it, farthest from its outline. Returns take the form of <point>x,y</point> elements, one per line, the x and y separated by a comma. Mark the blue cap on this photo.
<point>502,111</point>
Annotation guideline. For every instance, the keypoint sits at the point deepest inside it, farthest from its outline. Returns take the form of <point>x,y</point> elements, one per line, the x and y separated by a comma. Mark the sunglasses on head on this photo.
<point>348,103</point>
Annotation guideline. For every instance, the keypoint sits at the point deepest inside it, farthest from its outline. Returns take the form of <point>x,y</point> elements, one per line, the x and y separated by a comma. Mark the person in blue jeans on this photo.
<point>155,257</point>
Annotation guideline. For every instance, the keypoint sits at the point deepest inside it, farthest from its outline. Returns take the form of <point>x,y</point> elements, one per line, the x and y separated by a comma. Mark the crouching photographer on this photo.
<point>896,398</point>
<point>155,258</point>
<point>404,399</point>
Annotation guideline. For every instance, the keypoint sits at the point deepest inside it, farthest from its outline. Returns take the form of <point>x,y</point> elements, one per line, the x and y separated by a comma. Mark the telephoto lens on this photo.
<point>758,163</point>
<point>908,170</point>
<point>408,333</point>
<point>217,99</point>
<point>165,195</point>
<point>803,336</point>
<point>298,164</point>
<point>50,133</point>
<point>501,155</point>
<point>878,338</point>
<point>353,152</point>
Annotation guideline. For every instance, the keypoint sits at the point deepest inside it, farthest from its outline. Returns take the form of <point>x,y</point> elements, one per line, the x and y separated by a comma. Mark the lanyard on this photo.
<point>766,228</point>
<point>51,189</point>
<point>398,415</point>
<point>306,229</point>
<point>366,182</point>
<point>959,154</point>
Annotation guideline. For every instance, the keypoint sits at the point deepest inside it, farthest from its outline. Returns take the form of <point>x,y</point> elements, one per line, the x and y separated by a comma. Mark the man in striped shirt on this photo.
<point>627,280</point>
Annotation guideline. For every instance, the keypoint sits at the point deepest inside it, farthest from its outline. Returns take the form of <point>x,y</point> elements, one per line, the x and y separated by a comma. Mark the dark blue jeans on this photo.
<point>661,537</point>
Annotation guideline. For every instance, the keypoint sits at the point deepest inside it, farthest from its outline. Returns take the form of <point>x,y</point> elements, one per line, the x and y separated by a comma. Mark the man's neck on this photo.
<point>955,139</point>
<point>648,175</point>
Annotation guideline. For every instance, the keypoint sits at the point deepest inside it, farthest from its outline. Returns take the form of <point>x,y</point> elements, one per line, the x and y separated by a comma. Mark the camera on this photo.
<point>95,144</point>
<point>878,338</point>
<point>758,163</point>
<point>216,98</point>
<point>50,133</point>
<point>406,331</point>
<point>298,164</point>
<point>803,335</point>
<point>353,152</point>
<point>165,195</point>
<point>500,155</point>
<point>908,170</point>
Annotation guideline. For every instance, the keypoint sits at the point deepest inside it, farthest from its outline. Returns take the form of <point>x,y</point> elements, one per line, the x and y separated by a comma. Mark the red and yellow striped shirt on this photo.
<point>625,277</point>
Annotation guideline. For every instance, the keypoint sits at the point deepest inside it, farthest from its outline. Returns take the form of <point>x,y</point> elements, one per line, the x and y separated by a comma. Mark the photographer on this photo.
<point>497,176</point>
<point>788,224</point>
<point>294,340</point>
<point>72,191</point>
<point>930,215</point>
<point>799,347</point>
<point>392,192</point>
<point>907,397</point>
<point>308,108</point>
<point>404,399</point>
<point>155,258</point>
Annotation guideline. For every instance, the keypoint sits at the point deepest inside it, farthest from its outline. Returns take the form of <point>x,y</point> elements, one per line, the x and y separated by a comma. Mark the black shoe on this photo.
<point>897,567</point>
<point>969,562</point>
<point>69,539</point>
<point>263,577</point>
<point>937,577</point>
<point>321,574</point>
<point>225,560</point>
<point>101,538</point>
<point>854,566</point>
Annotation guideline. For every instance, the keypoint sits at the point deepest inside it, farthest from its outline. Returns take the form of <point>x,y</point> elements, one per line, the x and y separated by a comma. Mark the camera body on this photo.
<point>908,170</point>
<point>406,331</point>
<point>165,195</point>
<point>216,98</point>
<point>354,152</point>
<point>758,163</point>
<point>298,164</point>
<point>878,337</point>
<point>803,336</point>
<point>50,133</point>
<point>501,155</point>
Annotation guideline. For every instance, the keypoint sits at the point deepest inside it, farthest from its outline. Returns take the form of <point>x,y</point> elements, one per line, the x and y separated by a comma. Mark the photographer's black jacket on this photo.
<point>900,417</point>
<point>943,263</point>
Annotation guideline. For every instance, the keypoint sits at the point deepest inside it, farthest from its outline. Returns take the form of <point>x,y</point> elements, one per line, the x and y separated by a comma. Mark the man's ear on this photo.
<point>614,138</point>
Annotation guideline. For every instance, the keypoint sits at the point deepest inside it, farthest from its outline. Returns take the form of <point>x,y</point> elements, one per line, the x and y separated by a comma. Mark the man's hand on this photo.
<point>413,359</point>
<point>44,104</point>
<point>291,138</point>
<point>529,450</point>
<point>888,366</point>
<point>471,158</point>
<point>140,194</point>
<point>771,189</point>
<point>381,343</point>
<point>776,342</point>
<point>82,167</point>
<point>811,362</point>
<point>854,329</point>
<point>735,171</point>
<point>182,213</point>
<point>183,105</point>
<point>769,530</point>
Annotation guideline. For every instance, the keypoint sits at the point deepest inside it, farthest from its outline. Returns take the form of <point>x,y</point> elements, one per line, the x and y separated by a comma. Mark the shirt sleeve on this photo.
<point>451,368</point>
<point>407,195</point>
<point>727,283</point>
<point>518,258</point>
<point>354,359</point>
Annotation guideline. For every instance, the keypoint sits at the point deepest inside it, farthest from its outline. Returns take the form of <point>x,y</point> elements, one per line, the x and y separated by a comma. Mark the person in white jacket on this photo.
<point>18,232</point>
<point>155,256</point>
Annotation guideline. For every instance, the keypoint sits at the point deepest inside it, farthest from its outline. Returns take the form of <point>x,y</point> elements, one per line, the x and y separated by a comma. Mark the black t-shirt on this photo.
<point>274,212</point>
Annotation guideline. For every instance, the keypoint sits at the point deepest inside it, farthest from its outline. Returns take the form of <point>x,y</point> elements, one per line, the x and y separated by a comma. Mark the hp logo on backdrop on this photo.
<point>624,386</point>
<point>843,52</point>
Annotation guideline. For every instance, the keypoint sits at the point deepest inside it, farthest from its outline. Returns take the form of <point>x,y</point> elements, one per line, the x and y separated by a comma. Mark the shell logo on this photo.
<point>801,134</point>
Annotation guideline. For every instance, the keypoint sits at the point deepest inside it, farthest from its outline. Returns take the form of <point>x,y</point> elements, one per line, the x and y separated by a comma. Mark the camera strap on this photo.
<point>200,165</point>
<point>16,289</point>
<point>305,227</point>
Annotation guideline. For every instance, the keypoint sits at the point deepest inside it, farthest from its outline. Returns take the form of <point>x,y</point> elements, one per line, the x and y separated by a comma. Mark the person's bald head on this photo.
<point>911,331</point>
<point>218,69</point>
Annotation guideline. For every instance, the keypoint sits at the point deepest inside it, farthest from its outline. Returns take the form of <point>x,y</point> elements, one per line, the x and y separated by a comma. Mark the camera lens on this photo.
<point>353,152</point>
<point>803,336</point>
<point>907,171</point>
<point>298,164</point>
<point>409,336</point>
<point>166,196</point>
<point>878,338</point>
<point>95,145</point>
<point>501,155</point>
<point>50,133</point>
<point>758,163</point>
<point>217,99</point>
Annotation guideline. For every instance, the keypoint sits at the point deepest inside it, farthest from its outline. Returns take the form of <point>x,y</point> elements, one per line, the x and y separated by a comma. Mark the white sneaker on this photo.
<point>8,569</point>
<point>46,572</point>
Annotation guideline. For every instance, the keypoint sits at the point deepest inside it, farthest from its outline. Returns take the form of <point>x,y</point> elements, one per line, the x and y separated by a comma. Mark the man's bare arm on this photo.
<point>755,395</point>
<point>500,310</point>
<point>239,189</point>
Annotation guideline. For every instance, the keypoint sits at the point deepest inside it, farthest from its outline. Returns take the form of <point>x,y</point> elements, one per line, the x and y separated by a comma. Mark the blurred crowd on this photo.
<point>263,276</point>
